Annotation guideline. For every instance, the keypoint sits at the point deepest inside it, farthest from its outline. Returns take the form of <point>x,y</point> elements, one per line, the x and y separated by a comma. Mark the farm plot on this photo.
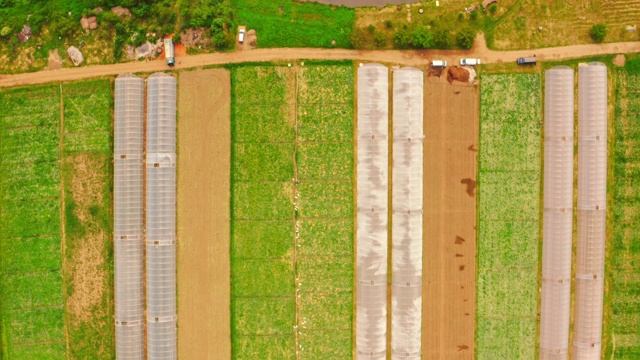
<point>508,233</point>
<point>31,289</point>
<point>623,267</point>
<point>292,225</point>
<point>88,251</point>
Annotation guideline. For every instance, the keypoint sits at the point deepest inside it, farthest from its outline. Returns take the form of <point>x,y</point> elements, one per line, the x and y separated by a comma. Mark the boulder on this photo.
<point>121,11</point>
<point>144,50</point>
<point>89,23</point>
<point>25,34</point>
<point>75,55</point>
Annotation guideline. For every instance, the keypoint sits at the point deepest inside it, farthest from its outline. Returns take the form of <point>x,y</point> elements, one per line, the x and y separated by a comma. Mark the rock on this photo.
<point>121,11</point>
<point>89,23</point>
<point>75,55</point>
<point>631,28</point>
<point>25,34</point>
<point>144,50</point>
<point>84,22</point>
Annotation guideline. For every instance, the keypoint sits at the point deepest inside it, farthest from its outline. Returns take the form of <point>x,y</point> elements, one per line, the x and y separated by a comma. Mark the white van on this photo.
<point>241,36</point>
<point>439,63</point>
<point>469,62</point>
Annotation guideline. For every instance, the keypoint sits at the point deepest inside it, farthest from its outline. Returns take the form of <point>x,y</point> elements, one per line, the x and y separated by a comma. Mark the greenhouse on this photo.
<point>161,217</point>
<point>558,213</point>
<point>372,216</point>
<point>406,260</point>
<point>592,194</point>
<point>127,212</point>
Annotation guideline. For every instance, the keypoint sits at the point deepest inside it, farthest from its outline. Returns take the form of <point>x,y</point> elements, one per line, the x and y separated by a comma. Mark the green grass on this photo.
<point>30,181</point>
<point>325,123</point>
<point>262,201</point>
<point>262,239</point>
<point>30,106</point>
<point>325,274</point>
<point>623,260</point>
<point>311,159</point>
<point>30,254</point>
<point>264,316</point>
<point>509,208</point>
<point>326,237</point>
<point>262,277</point>
<point>53,351</point>
<point>264,347</point>
<point>32,290</point>
<point>262,162</point>
<point>279,229</point>
<point>30,218</point>
<point>38,325</point>
<point>325,344</point>
<point>286,23</point>
<point>30,144</point>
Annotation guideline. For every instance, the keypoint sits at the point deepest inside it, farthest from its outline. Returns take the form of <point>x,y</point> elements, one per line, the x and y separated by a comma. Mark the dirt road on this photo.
<point>409,57</point>
<point>449,251</point>
<point>203,215</point>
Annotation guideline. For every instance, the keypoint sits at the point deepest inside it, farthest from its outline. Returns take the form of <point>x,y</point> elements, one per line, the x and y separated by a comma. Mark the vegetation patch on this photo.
<point>262,277</point>
<point>262,201</point>
<point>509,207</point>
<point>262,239</point>
<point>325,274</point>
<point>311,159</point>
<point>262,162</point>
<point>326,310</point>
<point>325,123</point>
<point>286,23</point>
<point>623,251</point>
<point>325,237</point>
<point>267,347</point>
<point>328,199</point>
<point>264,316</point>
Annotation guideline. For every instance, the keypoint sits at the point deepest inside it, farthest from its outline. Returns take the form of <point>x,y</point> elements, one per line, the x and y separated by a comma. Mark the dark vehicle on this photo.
<point>526,61</point>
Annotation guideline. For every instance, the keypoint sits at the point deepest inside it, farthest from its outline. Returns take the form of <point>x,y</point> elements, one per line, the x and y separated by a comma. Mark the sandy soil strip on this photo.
<point>449,252</point>
<point>204,148</point>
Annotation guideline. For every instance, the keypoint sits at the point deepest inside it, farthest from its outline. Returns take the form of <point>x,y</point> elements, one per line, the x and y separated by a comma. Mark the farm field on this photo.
<point>55,238</point>
<point>292,212</point>
<point>623,259</point>
<point>509,216</point>
<point>449,251</point>
<point>204,131</point>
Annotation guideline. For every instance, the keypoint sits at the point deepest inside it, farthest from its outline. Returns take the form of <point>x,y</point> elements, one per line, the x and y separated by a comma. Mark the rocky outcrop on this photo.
<point>89,23</point>
<point>75,55</point>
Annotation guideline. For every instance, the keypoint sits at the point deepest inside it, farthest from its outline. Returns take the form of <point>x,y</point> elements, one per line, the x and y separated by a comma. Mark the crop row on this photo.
<point>292,227</point>
<point>623,247</point>
<point>509,193</point>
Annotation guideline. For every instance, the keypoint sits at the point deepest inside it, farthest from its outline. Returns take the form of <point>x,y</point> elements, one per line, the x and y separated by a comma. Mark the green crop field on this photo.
<point>509,205</point>
<point>292,209</point>
<point>623,248</point>
<point>55,149</point>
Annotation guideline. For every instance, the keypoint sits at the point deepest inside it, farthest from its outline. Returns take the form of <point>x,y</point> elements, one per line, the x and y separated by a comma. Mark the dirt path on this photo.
<point>203,215</point>
<point>449,251</point>
<point>409,57</point>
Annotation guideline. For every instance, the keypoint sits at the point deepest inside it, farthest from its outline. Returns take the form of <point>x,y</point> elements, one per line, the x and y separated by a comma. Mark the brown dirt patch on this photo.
<point>204,163</point>
<point>55,61</point>
<point>451,129</point>
<point>619,60</point>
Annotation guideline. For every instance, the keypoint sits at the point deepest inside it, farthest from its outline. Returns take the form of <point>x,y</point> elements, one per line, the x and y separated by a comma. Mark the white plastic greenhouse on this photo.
<point>127,212</point>
<point>372,203</point>
<point>406,259</point>
<point>558,213</point>
<point>161,217</point>
<point>592,194</point>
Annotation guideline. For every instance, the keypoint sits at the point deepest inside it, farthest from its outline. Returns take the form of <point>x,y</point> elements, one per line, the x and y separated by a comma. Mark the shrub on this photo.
<point>442,39</point>
<point>401,39</point>
<point>422,38</point>
<point>5,31</point>
<point>379,39</point>
<point>465,38</point>
<point>474,15</point>
<point>388,24</point>
<point>598,32</point>
<point>493,9</point>
<point>371,28</point>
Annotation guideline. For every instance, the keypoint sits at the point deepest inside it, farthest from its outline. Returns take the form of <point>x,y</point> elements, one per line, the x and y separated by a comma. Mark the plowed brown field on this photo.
<point>204,165</point>
<point>449,252</point>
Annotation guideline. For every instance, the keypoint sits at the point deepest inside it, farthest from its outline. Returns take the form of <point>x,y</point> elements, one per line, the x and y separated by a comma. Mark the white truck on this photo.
<point>469,62</point>
<point>168,52</point>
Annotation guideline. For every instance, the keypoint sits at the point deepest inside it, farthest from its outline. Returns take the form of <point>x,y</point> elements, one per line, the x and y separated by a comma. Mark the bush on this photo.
<point>5,31</point>
<point>401,39</point>
<point>380,40</point>
<point>442,39</point>
<point>388,24</point>
<point>465,38</point>
<point>493,9</point>
<point>422,38</point>
<point>598,32</point>
<point>371,28</point>
<point>360,39</point>
<point>474,15</point>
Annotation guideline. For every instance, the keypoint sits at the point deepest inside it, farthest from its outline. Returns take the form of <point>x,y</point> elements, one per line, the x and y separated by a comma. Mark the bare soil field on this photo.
<point>204,148</point>
<point>449,252</point>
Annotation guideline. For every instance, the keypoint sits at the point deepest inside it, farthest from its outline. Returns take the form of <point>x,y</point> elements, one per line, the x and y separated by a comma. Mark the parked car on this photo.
<point>469,62</point>
<point>439,63</point>
<point>526,60</point>
<point>241,36</point>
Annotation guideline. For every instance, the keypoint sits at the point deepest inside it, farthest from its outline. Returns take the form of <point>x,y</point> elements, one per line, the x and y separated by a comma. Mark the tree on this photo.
<point>5,31</point>
<point>442,39</point>
<point>465,38</point>
<point>474,15</point>
<point>494,8</point>
<point>422,38</point>
<point>401,39</point>
<point>598,32</point>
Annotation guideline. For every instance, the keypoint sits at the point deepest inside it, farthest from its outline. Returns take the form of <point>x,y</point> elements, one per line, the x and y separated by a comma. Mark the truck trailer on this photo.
<point>168,52</point>
<point>526,60</point>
